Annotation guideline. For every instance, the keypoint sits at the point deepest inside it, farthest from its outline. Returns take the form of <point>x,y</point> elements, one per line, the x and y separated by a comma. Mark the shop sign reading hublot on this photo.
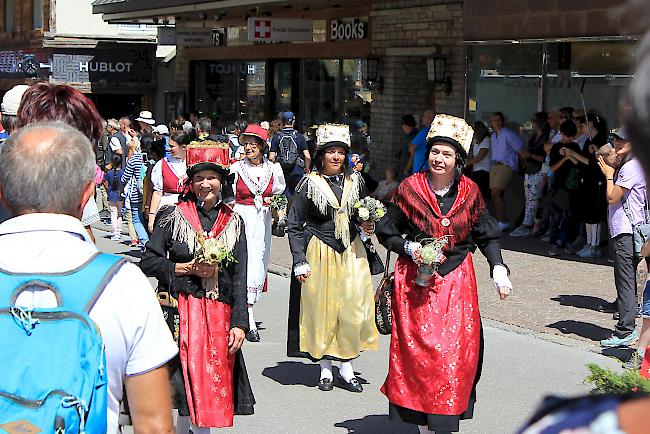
<point>347,29</point>
<point>105,66</point>
<point>126,65</point>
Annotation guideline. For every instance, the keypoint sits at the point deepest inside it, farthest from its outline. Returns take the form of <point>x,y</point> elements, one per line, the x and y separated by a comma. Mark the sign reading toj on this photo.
<point>347,29</point>
<point>279,30</point>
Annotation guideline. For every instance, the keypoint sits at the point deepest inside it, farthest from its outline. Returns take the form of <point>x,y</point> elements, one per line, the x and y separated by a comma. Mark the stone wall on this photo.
<point>404,35</point>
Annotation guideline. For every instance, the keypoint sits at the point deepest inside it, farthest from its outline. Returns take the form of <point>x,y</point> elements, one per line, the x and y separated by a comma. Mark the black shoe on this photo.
<point>352,386</point>
<point>325,384</point>
<point>253,336</point>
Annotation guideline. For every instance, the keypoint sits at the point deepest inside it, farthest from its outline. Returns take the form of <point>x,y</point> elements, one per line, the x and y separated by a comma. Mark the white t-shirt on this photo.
<point>127,313</point>
<point>486,163</point>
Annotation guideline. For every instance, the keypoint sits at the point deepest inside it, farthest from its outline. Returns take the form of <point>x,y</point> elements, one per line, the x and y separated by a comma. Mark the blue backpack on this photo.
<point>52,360</point>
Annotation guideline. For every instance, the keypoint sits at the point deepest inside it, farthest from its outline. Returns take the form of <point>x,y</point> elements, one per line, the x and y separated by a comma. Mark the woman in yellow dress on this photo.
<point>331,307</point>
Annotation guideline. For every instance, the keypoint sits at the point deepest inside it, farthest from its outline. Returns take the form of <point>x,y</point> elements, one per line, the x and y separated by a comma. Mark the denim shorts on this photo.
<point>645,305</point>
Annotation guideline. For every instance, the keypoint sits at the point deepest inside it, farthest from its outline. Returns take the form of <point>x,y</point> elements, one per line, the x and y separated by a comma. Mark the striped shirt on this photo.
<point>132,178</point>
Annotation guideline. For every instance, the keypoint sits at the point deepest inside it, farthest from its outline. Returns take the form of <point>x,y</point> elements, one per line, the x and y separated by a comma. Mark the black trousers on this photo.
<point>625,280</point>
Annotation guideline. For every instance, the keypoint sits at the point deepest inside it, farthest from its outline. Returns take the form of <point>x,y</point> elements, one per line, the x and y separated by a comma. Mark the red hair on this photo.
<point>57,102</point>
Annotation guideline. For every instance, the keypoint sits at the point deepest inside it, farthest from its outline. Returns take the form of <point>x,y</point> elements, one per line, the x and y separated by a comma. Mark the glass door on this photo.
<point>285,86</point>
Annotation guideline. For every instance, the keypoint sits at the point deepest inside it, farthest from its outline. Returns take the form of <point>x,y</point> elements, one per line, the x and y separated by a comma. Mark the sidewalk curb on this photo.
<point>279,270</point>
<point>549,337</point>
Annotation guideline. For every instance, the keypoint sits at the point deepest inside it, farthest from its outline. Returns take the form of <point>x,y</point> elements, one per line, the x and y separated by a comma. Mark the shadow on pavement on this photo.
<point>135,253</point>
<point>375,424</point>
<point>294,374</point>
<point>581,301</point>
<point>622,353</point>
<point>535,246</point>
<point>581,328</point>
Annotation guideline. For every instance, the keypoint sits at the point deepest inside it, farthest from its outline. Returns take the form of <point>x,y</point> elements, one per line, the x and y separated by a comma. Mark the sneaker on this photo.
<point>572,248</point>
<point>554,251</point>
<point>547,237</point>
<point>504,226</point>
<point>583,251</point>
<point>521,231</point>
<point>634,363</point>
<point>615,341</point>
<point>587,252</point>
<point>116,237</point>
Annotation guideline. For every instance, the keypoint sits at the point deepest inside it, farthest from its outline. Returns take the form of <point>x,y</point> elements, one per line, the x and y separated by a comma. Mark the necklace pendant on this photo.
<point>445,222</point>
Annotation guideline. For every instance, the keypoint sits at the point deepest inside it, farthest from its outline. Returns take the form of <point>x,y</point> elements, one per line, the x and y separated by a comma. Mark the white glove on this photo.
<point>411,247</point>
<point>502,282</point>
<point>301,269</point>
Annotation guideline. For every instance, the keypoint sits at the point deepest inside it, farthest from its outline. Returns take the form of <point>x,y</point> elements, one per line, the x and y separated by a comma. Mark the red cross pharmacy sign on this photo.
<point>262,29</point>
<point>279,30</point>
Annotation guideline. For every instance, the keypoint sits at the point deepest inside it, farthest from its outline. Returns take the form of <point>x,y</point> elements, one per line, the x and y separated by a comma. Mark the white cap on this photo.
<point>11,99</point>
<point>161,129</point>
<point>187,126</point>
<point>146,117</point>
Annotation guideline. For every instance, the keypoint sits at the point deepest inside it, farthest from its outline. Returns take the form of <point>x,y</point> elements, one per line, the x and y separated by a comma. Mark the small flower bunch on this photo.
<point>431,251</point>
<point>278,202</point>
<point>214,252</point>
<point>369,209</point>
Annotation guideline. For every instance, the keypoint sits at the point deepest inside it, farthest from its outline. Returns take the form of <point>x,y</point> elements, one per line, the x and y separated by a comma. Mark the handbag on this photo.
<point>383,298</point>
<point>374,261</point>
<point>641,231</point>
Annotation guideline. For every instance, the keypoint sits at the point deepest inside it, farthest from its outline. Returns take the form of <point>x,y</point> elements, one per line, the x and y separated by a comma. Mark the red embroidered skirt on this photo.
<point>207,366</point>
<point>435,341</point>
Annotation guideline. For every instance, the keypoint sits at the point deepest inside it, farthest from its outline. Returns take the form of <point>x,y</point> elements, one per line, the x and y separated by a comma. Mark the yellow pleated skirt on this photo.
<point>337,306</point>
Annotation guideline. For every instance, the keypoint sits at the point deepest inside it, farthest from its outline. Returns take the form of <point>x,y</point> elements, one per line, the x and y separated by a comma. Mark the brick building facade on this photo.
<point>405,35</point>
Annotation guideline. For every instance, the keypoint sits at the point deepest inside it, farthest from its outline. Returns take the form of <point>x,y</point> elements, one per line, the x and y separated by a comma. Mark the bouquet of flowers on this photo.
<point>430,258</point>
<point>369,209</point>
<point>278,202</point>
<point>214,252</point>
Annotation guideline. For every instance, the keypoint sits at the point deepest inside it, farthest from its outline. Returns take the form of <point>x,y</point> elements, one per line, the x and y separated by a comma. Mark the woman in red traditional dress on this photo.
<point>211,318</point>
<point>436,342</point>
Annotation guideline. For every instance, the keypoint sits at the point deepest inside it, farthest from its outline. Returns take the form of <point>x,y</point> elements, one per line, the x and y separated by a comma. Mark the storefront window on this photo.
<point>604,66</point>
<point>321,91</point>
<point>356,96</point>
<point>508,77</point>
<point>253,90</point>
<point>503,78</point>
<point>230,90</point>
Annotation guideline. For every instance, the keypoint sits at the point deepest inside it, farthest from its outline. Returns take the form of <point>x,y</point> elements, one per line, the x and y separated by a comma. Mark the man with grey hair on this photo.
<point>47,174</point>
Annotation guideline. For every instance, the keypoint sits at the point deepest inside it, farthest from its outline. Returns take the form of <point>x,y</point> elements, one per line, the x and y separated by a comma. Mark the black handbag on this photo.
<point>374,261</point>
<point>383,298</point>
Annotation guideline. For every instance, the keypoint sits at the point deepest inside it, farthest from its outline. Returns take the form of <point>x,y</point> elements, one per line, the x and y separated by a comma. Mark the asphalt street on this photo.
<point>520,368</point>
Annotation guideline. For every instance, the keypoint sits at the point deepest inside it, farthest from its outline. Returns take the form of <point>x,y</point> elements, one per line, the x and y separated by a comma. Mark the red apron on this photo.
<point>204,332</point>
<point>435,340</point>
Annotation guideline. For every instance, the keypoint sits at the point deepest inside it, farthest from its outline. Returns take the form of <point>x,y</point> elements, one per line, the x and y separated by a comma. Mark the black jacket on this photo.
<point>163,253</point>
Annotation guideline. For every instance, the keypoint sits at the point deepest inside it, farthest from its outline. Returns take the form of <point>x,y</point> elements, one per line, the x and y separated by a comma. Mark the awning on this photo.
<point>124,10</point>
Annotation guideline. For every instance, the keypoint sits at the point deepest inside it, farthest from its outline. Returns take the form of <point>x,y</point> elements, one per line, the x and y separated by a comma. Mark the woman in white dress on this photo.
<point>256,181</point>
<point>168,175</point>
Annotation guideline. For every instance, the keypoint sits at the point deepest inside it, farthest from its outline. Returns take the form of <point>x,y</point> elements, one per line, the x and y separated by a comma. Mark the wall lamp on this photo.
<point>437,72</point>
<point>370,73</point>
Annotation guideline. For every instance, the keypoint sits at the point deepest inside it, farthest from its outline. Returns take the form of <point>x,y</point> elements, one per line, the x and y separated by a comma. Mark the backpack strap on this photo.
<point>76,290</point>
